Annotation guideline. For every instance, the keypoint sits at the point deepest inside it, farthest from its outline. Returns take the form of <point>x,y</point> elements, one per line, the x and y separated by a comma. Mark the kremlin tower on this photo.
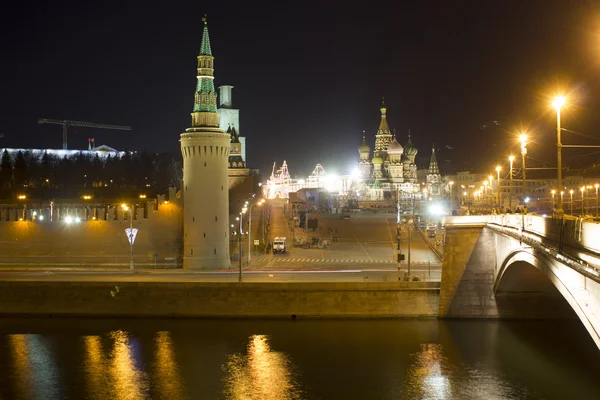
<point>205,151</point>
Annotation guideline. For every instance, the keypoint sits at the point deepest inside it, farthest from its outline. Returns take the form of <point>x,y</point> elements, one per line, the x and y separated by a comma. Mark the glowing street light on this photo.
<point>582,197</point>
<point>498,168</point>
<point>571,193</point>
<point>558,102</point>
<point>511,159</point>
<point>553,193</point>
<point>523,140</point>
<point>596,186</point>
<point>451,183</point>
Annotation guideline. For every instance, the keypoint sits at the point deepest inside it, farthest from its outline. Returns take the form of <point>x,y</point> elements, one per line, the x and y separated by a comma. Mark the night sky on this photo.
<point>308,77</point>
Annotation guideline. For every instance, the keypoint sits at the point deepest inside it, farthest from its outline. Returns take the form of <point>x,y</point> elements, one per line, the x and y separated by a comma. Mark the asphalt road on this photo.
<point>366,239</point>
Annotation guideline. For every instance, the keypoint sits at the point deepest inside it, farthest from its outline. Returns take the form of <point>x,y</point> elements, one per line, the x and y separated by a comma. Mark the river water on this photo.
<point>330,359</point>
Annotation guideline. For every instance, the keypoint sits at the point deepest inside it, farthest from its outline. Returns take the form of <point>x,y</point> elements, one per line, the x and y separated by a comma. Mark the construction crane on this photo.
<point>67,123</point>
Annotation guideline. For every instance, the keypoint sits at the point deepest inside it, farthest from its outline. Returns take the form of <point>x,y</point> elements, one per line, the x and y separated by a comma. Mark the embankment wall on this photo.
<point>227,300</point>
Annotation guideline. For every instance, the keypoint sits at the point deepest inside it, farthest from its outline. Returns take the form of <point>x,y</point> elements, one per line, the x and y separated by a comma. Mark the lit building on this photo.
<point>392,172</point>
<point>205,148</point>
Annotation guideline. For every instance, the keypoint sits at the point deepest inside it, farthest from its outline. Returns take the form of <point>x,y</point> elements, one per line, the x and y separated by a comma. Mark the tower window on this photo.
<point>211,150</point>
<point>191,252</point>
<point>204,234</point>
<point>205,163</point>
<point>215,250</point>
<point>193,219</point>
<point>205,150</point>
<point>215,219</point>
<point>221,187</point>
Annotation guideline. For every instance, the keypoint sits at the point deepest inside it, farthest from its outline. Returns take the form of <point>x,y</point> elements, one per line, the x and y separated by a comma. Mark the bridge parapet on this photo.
<point>465,221</point>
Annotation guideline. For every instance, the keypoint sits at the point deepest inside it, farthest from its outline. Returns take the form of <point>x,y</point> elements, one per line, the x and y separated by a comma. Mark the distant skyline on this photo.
<point>309,77</point>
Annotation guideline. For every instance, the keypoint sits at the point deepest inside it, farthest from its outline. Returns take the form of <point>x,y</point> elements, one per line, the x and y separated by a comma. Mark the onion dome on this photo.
<point>377,160</point>
<point>409,147</point>
<point>364,147</point>
<point>394,147</point>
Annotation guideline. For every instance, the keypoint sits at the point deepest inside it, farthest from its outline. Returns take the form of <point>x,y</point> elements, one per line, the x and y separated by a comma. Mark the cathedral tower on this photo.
<point>205,151</point>
<point>434,179</point>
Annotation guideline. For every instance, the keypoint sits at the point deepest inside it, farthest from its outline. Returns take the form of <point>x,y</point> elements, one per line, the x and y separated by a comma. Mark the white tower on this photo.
<point>205,151</point>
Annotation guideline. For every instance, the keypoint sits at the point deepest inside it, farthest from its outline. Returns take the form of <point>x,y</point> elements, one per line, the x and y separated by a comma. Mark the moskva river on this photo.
<point>250,359</point>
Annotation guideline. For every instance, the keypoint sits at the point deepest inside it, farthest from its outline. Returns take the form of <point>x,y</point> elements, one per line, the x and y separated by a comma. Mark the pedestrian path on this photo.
<point>332,260</point>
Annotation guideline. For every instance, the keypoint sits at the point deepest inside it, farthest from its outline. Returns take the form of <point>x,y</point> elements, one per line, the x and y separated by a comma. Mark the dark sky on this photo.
<point>308,77</point>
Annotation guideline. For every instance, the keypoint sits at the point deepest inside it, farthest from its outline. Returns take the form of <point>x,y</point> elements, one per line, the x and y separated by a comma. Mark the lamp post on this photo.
<point>130,210</point>
<point>498,168</point>
<point>241,244</point>
<point>558,102</point>
<point>582,195</point>
<point>260,203</point>
<point>571,192</point>
<point>511,159</point>
<point>523,140</point>
<point>451,183</point>
<point>491,179</point>
<point>596,186</point>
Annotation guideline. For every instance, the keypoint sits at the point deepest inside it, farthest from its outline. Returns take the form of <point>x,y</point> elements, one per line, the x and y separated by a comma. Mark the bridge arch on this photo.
<point>533,283</point>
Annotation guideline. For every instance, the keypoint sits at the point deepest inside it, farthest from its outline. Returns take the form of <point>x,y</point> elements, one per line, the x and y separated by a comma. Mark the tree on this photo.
<point>21,173</point>
<point>6,170</point>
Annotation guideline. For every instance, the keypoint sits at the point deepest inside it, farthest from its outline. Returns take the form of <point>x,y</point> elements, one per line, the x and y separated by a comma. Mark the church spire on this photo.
<point>205,98</point>
<point>433,164</point>
<point>384,129</point>
<point>205,47</point>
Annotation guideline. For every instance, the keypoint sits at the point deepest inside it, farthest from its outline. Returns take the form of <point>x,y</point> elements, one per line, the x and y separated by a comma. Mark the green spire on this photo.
<point>206,97</point>
<point>205,47</point>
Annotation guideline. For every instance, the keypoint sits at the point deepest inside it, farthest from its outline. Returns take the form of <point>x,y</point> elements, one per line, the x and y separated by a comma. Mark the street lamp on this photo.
<point>523,140</point>
<point>558,102</point>
<point>131,235</point>
<point>571,192</point>
<point>553,193</point>
<point>241,244</point>
<point>260,203</point>
<point>511,159</point>
<point>451,183</point>
<point>582,195</point>
<point>596,186</point>
<point>498,168</point>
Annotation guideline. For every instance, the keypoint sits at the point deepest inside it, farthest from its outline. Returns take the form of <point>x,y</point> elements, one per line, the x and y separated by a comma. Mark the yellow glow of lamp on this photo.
<point>523,139</point>
<point>558,102</point>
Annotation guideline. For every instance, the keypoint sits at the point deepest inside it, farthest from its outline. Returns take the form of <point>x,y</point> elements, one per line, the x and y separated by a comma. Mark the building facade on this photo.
<point>391,171</point>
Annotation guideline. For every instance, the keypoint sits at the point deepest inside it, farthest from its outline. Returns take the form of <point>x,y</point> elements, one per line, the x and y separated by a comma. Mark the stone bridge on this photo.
<point>522,266</point>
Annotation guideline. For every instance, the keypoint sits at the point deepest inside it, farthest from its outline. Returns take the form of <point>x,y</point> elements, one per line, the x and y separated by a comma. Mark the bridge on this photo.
<point>522,266</point>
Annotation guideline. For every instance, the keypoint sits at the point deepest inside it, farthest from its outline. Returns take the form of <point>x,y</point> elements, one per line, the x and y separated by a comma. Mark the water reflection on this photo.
<point>425,378</point>
<point>129,382</point>
<point>260,374</point>
<point>94,366</point>
<point>166,370</point>
<point>21,374</point>
<point>34,369</point>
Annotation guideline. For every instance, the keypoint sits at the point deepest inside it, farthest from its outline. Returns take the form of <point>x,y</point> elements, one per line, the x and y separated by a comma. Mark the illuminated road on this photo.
<point>351,275</point>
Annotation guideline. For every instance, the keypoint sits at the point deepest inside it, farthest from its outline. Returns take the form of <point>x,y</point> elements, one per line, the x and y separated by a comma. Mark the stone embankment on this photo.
<point>220,300</point>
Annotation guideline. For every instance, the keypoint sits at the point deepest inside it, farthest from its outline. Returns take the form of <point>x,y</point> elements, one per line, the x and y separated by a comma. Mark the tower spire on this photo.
<point>433,164</point>
<point>384,129</point>
<point>205,98</point>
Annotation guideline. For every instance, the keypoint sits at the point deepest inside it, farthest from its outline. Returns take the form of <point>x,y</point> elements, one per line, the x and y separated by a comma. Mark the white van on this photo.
<point>279,245</point>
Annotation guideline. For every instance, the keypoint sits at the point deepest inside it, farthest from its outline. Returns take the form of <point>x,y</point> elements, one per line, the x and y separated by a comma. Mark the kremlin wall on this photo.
<point>92,236</point>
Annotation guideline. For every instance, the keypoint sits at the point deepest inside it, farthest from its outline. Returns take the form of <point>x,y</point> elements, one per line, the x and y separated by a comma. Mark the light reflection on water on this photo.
<point>279,360</point>
<point>261,373</point>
